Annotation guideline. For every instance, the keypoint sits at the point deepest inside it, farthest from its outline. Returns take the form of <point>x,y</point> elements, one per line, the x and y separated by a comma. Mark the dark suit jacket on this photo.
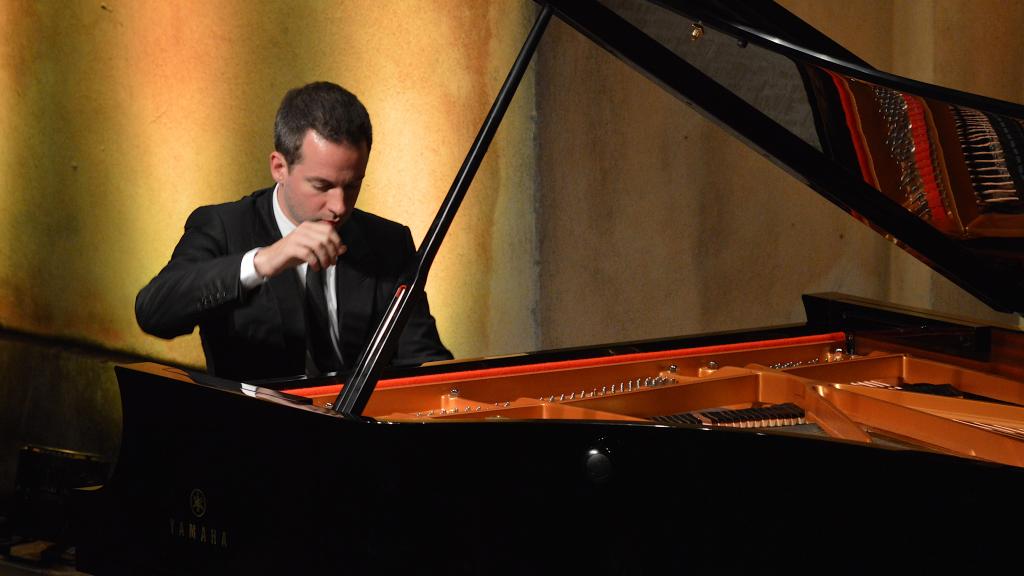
<point>260,333</point>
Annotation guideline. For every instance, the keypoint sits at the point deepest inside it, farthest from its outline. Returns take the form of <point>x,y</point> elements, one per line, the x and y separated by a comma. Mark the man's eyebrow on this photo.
<point>320,180</point>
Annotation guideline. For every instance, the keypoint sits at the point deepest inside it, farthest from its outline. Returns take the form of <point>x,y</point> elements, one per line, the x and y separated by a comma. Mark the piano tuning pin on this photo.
<point>572,396</point>
<point>561,397</point>
<point>604,389</point>
<point>477,408</point>
<point>551,398</point>
<point>505,405</point>
<point>621,387</point>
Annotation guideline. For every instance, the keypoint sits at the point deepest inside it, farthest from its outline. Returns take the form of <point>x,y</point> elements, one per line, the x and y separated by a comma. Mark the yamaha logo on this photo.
<point>197,501</point>
<point>194,531</point>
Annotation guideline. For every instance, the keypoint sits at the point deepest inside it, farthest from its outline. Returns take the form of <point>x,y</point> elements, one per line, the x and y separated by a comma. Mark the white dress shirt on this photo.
<point>250,278</point>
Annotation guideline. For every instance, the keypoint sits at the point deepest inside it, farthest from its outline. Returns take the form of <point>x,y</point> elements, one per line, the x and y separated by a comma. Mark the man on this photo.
<point>292,279</point>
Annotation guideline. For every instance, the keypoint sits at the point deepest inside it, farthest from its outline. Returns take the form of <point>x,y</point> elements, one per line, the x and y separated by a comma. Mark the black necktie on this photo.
<point>318,328</point>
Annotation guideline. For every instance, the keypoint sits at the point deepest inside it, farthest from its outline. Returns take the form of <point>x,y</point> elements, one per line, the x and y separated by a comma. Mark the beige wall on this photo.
<point>970,46</point>
<point>120,117</point>
<point>654,223</point>
<point>605,211</point>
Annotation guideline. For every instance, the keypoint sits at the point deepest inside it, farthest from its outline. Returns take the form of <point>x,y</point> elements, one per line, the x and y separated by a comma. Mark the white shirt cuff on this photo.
<point>248,275</point>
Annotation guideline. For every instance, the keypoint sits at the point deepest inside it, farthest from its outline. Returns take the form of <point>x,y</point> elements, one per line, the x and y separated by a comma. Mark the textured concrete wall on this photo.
<point>117,118</point>
<point>120,117</point>
<point>970,46</point>
<point>653,222</point>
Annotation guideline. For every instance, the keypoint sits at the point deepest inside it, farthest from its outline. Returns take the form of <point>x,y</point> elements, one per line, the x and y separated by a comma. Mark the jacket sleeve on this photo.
<point>200,279</point>
<point>419,341</point>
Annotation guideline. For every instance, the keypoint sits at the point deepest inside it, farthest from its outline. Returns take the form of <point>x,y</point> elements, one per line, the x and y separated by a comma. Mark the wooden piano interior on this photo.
<point>805,385</point>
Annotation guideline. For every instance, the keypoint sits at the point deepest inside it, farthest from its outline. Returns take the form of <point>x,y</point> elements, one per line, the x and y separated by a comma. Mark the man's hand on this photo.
<point>315,243</point>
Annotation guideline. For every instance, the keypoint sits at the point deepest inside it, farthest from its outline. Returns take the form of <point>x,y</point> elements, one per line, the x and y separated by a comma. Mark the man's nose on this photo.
<point>336,201</point>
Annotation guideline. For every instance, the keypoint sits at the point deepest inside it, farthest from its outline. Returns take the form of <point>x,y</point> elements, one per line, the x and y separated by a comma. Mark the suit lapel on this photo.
<point>356,289</point>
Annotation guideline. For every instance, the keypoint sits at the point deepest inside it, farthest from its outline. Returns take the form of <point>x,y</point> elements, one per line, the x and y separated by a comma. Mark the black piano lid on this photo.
<point>907,158</point>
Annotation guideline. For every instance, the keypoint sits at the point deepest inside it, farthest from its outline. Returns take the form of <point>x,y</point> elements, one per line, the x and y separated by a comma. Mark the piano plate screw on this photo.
<point>328,405</point>
<point>673,368</point>
<point>453,393</point>
<point>712,365</point>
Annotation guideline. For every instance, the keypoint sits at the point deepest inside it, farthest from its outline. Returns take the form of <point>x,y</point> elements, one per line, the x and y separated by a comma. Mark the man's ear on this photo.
<point>278,166</point>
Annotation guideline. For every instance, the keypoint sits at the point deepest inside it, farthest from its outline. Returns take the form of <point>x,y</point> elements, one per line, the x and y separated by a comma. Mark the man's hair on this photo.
<point>329,110</point>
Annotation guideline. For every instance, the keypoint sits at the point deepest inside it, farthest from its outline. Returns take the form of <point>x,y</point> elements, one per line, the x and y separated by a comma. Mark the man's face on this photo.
<point>324,183</point>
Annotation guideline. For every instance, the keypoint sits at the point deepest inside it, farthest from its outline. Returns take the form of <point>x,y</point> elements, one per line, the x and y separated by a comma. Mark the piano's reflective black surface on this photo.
<point>868,438</point>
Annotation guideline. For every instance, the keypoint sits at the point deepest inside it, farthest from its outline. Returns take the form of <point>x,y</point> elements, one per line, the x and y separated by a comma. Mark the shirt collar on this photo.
<point>283,223</point>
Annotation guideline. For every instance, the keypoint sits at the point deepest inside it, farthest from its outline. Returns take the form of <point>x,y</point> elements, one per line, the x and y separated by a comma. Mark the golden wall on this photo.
<point>120,117</point>
<point>654,222</point>
<point>605,210</point>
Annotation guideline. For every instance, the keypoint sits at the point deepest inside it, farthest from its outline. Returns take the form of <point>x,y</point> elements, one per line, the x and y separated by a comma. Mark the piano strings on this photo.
<point>988,164</point>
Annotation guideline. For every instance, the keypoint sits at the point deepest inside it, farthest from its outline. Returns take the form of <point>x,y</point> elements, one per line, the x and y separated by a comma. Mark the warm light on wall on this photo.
<point>121,117</point>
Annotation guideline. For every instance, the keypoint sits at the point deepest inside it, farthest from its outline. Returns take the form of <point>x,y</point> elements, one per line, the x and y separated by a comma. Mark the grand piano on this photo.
<point>871,437</point>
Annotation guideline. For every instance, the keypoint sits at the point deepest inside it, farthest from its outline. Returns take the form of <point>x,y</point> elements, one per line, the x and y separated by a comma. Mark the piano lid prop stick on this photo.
<point>356,393</point>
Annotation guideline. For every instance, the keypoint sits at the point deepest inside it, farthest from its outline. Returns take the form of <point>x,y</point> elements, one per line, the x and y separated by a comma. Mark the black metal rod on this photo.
<point>356,392</point>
